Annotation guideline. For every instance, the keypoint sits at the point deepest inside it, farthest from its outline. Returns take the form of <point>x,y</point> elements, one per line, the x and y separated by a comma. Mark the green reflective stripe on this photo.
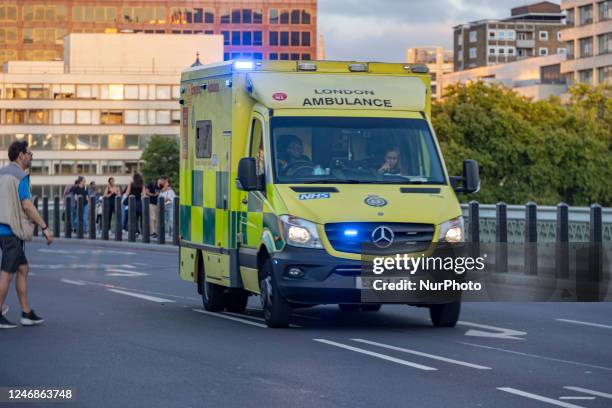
<point>209,226</point>
<point>185,222</point>
<point>197,188</point>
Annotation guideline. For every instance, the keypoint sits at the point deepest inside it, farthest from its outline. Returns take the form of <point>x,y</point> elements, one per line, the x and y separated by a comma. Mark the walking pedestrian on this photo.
<point>167,194</point>
<point>137,189</point>
<point>17,218</point>
<point>111,191</point>
<point>153,193</point>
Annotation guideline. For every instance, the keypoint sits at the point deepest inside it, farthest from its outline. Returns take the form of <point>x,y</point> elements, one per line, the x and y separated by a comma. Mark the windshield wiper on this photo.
<point>338,181</point>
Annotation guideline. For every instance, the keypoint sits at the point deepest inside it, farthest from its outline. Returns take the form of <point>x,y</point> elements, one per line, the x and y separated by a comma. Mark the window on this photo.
<point>295,57</point>
<point>247,16</point>
<point>472,53</point>
<point>605,43</point>
<point>522,36</point>
<point>543,35</point>
<point>36,91</point>
<point>559,36</point>
<point>131,117</point>
<point>510,35</point>
<point>284,17</point>
<point>257,38</point>
<point>226,56</point>
<point>131,91</point>
<point>111,118</point>
<point>492,51</point>
<point>543,51</point>
<point>305,39</point>
<point>236,16</point>
<point>569,46</point>
<point>226,37</point>
<point>605,74</point>
<point>605,11</point>
<point>162,117</point>
<point>460,38</point>
<point>284,56</point>
<point>257,146</point>
<point>235,37</point>
<point>561,50</point>
<point>586,47</point>
<point>112,92</point>
<point>501,50</point>
<point>510,51</point>
<point>112,167</point>
<point>67,117</point>
<point>305,17</point>
<point>257,56</point>
<point>586,76</point>
<point>209,17</point>
<point>204,139</point>
<point>225,16</point>
<point>586,14</point>
<point>8,36</point>
<point>176,117</point>
<point>284,38</point>
<point>198,15</point>
<point>571,17</point>
<point>8,13</point>
<point>274,16</point>
<point>273,37</point>
<point>295,16</point>
<point>501,34</point>
<point>83,117</point>
<point>295,38</point>
<point>247,38</point>
<point>176,92</point>
<point>473,36</point>
<point>257,17</point>
<point>492,34</point>
<point>306,57</point>
<point>273,56</point>
<point>162,92</point>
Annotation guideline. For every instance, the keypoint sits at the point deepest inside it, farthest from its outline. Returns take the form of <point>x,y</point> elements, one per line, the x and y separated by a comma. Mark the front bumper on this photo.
<point>326,279</point>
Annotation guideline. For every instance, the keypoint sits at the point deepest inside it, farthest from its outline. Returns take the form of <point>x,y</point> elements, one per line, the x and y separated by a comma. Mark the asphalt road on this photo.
<point>124,330</point>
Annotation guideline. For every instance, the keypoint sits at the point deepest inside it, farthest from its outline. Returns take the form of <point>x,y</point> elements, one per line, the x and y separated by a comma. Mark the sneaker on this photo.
<point>5,324</point>
<point>5,309</point>
<point>30,319</point>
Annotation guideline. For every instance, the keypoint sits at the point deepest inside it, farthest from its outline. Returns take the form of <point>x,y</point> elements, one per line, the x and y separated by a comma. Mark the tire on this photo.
<point>371,308</point>
<point>236,302</point>
<point>212,295</point>
<point>275,307</point>
<point>445,315</point>
<point>348,307</point>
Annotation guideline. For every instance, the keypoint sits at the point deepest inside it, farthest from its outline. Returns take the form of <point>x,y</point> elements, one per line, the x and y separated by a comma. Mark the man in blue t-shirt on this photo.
<point>14,261</point>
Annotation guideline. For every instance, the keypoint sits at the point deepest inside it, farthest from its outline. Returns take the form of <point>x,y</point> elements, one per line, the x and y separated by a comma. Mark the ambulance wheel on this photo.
<point>236,302</point>
<point>370,308</point>
<point>212,295</point>
<point>348,307</point>
<point>275,307</point>
<point>445,315</point>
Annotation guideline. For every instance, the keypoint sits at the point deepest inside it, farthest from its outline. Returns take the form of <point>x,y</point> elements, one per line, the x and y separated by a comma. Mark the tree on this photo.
<point>544,151</point>
<point>161,157</point>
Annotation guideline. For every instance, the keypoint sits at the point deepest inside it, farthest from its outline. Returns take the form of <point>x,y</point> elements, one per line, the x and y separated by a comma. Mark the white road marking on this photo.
<point>107,285</point>
<point>603,326</point>
<point>419,353</point>
<point>73,282</point>
<point>236,319</point>
<point>576,398</point>
<point>377,355</point>
<point>84,252</point>
<point>124,272</point>
<point>141,296</point>
<point>498,332</point>
<point>539,397</point>
<point>261,319</point>
<point>587,391</point>
<point>537,356</point>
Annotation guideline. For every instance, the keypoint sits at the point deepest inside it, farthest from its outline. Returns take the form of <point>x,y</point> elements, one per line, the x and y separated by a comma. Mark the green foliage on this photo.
<point>546,151</point>
<point>161,157</point>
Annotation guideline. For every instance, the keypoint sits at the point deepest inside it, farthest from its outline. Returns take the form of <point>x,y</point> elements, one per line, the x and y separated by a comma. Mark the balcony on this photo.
<point>525,43</point>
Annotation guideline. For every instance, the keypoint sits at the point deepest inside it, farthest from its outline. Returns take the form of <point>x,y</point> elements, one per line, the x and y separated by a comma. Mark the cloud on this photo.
<point>382,30</point>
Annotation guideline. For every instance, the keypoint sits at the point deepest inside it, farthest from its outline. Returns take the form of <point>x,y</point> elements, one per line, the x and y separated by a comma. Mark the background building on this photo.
<point>94,113</point>
<point>438,60</point>
<point>589,41</point>
<point>34,30</point>
<point>536,78</point>
<point>531,31</point>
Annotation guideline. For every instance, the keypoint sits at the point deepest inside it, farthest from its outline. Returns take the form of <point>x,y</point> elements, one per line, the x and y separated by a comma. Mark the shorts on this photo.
<point>13,254</point>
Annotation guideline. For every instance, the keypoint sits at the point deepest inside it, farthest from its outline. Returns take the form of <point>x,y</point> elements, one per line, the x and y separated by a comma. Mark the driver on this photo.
<point>392,164</point>
<point>294,151</point>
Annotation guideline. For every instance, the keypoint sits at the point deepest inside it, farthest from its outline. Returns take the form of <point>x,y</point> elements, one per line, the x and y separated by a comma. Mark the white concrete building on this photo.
<point>537,77</point>
<point>588,38</point>
<point>438,60</point>
<point>93,113</point>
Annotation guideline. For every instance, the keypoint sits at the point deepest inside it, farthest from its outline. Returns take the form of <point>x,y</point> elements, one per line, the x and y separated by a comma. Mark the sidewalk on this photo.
<point>153,246</point>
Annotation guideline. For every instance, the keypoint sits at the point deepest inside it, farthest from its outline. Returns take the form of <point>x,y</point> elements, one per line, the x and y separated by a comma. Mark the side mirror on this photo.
<point>470,181</point>
<point>248,180</point>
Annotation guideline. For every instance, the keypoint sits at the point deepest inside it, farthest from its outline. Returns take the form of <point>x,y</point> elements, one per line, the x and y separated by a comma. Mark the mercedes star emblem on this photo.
<point>383,237</point>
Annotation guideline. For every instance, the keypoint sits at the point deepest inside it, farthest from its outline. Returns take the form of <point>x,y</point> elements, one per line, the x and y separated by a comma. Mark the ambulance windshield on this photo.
<point>347,150</point>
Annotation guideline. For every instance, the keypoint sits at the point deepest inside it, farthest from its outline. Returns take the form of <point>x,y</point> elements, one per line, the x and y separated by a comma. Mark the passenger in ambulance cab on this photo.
<point>392,164</point>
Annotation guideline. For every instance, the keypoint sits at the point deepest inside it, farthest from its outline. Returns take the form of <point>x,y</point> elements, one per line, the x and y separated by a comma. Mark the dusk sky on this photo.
<point>382,30</point>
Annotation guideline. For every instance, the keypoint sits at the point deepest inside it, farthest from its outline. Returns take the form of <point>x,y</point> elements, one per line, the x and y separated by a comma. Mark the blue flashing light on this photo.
<point>351,233</point>
<point>244,65</point>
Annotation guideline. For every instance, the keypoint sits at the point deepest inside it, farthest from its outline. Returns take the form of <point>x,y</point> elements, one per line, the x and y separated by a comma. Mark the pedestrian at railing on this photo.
<point>110,192</point>
<point>137,189</point>
<point>152,192</point>
<point>79,190</point>
<point>167,194</point>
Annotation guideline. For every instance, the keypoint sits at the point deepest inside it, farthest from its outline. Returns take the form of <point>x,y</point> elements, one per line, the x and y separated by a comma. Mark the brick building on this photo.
<point>34,30</point>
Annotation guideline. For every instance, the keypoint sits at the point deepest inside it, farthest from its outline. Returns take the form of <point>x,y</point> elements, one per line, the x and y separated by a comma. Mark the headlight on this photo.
<point>452,231</point>
<point>299,232</point>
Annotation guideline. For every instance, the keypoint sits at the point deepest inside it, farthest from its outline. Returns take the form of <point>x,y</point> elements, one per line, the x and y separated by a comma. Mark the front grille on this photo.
<point>409,237</point>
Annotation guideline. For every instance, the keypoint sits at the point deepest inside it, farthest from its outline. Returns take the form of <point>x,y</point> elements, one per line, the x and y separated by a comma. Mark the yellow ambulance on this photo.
<point>288,167</point>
